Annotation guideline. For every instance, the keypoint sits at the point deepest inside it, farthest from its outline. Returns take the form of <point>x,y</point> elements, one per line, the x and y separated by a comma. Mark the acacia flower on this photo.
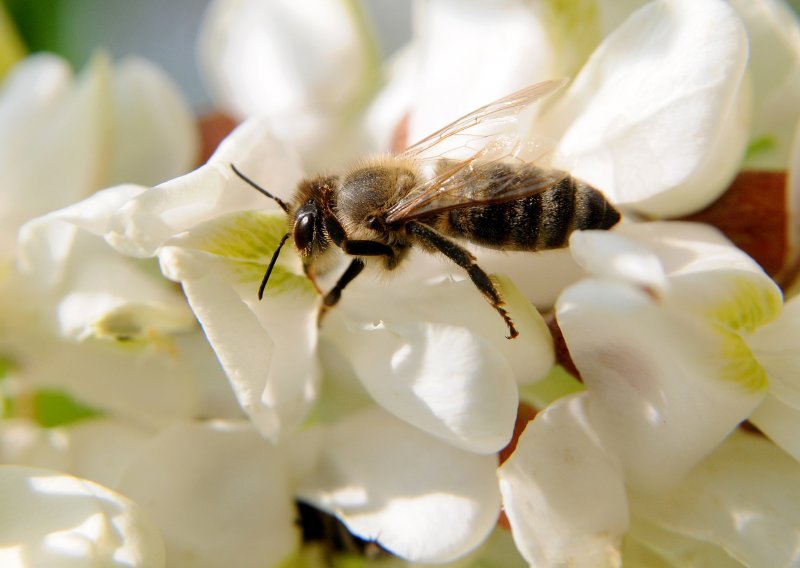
<point>660,126</point>
<point>72,295</point>
<point>390,414</point>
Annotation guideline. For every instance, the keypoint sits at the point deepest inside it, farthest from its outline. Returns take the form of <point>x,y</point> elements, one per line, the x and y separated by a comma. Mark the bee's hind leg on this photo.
<point>431,239</point>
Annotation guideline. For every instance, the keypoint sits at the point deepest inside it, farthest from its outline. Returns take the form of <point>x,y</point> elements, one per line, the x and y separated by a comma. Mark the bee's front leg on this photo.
<point>359,248</point>
<point>335,293</point>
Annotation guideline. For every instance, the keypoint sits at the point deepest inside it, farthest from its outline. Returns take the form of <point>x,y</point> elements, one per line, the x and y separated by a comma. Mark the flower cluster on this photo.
<point>649,417</point>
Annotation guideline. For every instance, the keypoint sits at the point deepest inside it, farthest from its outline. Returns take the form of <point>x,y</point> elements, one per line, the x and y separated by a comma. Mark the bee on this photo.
<point>496,198</point>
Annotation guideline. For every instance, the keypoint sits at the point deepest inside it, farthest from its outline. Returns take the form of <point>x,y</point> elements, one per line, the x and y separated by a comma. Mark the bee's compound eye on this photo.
<point>303,231</point>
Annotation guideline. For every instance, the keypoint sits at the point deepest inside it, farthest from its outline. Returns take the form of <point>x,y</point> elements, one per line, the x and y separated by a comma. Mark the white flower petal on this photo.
<point>53,519</point>
<point>442,379</point>
<point>306,66</point>
<point>505,40</point>
<point>150,385</point>
<point>45,242</point>
<point>145,223</point>
<point>649,546</point>
<point>101,448</point>
<point>607,255</point>
<point>54,145</point>
<point>779,421</point>
<point>459,303</point>
<point>562,493</point>
<point>793,201</point>
<point>23,442</point>
<point>662,383</point>
<point>658,117</point>
<point>155,137</point>
<point>777,348</point>
<point>266,349</point>
<point>95,290</point>
<point>218,491</point>
<point>540,276</point>
<point>383,119</point>
<point>453,369</point>
<point>745,498</point>
<point>774,66</point>
<point>282,57</point>
<point>690,248</point>
<point>421,499</point>
<point>96,449</point>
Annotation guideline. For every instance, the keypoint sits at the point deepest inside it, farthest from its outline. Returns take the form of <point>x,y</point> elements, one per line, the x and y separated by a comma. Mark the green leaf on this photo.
<point>38,22</point>
<point>55,408</point>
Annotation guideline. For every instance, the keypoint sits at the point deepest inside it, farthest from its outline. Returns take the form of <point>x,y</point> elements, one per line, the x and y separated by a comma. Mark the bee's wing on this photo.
<point>501,111</point>
<point>479,180</point>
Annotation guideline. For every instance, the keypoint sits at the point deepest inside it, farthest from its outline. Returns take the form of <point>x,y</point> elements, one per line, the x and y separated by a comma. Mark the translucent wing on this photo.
<point>501,111</point>
<point>484,177</point>
<point>501,171</point>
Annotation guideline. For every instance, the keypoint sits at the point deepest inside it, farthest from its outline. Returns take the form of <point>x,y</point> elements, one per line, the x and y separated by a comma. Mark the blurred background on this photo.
<point>159,30</point>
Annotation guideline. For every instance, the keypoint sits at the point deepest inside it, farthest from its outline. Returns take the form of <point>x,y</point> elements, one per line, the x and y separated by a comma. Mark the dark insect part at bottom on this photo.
<point>324,530</point>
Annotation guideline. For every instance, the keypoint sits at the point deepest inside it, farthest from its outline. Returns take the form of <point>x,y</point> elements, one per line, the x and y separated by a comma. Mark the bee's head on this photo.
<point>313,200</point>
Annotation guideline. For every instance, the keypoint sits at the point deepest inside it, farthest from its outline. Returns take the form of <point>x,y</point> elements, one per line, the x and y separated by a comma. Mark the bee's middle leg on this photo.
<point>431,239</point>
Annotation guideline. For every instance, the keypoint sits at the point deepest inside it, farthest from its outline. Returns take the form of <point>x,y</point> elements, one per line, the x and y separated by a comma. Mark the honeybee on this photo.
<point>496,198</point>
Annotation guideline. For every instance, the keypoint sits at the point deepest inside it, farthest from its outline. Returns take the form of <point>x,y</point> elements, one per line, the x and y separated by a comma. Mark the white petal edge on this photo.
<point>745,497</point>
<point>660,129</point>
<point>563,494</point>
<point>658,398</point>
<point>146,222</point>
<point>54,519</point>
<point>267,350</point>
<point>421,499</point>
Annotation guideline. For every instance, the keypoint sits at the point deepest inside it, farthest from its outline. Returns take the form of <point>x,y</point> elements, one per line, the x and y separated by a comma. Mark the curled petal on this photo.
<point>53,519</point>
<point>146,222</point>
<point>658,117</point>
<point>442,379</point>
<point>662,382</point>
<point>267,348</point>
<point>649,545</point>
<point>608,255</point>
<point>691,248</point>
<point>419,498</point>
<point>439,340</point>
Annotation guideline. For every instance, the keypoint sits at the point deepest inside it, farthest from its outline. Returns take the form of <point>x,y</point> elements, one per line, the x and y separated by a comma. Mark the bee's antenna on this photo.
<point>271,265</point>
<point>253,184</point>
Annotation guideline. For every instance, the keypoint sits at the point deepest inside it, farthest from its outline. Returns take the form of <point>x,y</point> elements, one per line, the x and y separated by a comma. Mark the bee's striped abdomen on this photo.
<point>538,222</point>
